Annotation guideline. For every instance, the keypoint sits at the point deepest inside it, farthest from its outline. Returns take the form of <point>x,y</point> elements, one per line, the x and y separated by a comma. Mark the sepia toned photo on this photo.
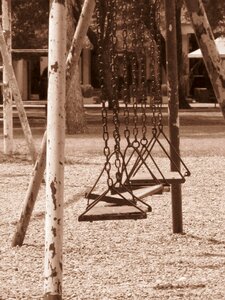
<point>112,153</point>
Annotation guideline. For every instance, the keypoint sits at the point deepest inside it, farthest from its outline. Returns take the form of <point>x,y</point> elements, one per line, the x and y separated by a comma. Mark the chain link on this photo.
<point>143,75</point>
<point>158,59</point>
<point>115,100</point>
<point>126,92</point>
<point>155,48</point>
<point>106,150</point>
<point>110,21</point>
<point>133,46</point>
<point>134,72</point>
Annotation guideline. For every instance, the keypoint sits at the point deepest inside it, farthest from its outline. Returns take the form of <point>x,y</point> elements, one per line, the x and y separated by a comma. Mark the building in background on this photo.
<point>30,67</point>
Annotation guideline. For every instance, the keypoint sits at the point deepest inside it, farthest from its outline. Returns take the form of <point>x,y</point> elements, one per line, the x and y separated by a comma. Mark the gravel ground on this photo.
<point>121,259</point>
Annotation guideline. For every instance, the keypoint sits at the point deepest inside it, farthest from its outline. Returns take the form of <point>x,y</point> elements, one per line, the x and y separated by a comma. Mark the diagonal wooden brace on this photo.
<point>211,57</point>
<point>17,96</point>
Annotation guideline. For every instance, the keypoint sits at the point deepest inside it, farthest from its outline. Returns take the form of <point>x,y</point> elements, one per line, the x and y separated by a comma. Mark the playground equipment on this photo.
<point>123,168</point>
<point>53,259</point>
<point>114,159</point>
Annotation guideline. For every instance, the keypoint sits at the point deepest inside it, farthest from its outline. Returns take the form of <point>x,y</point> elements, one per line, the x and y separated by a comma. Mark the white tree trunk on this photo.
<point>7,94</point>
<point>55,151</point>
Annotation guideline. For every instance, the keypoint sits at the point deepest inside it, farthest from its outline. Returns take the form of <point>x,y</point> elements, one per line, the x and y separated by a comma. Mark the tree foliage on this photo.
<point>30,24</point>
<point>215,10</point>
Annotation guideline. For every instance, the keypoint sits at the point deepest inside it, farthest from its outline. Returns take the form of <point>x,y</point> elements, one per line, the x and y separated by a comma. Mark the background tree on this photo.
<point>215,10</point>
<point>30,30</point>
<point>30,24</point>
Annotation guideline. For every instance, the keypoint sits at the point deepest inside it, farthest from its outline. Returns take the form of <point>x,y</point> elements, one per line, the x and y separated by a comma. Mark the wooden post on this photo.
<point>173,107</point>
<point>17,97</point>
<point>7,94</point>
<point>55,151</point>
<point>211,57</point>
<point>31,196</point>
<point>35,181</point>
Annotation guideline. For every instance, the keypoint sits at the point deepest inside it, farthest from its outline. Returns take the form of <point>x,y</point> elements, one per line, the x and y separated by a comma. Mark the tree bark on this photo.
<point>75,117</point>
<point>7,93</point>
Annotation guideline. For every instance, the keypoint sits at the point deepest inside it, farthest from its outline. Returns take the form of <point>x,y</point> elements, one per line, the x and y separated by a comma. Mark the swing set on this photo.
<point>132,173</point>
<point>133,168</point>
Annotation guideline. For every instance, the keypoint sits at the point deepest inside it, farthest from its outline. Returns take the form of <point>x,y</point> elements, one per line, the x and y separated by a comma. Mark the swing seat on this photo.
<point>138,193</point>
<point>169,178</point>
<point>117,208</point>
<point>154,189</point>
<point>113,212</point>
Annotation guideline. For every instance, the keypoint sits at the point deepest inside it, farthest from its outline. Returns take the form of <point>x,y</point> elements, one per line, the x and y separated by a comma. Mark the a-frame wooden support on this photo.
<point>17,96</point>
<point>211,57</point>
<point>38,173</point>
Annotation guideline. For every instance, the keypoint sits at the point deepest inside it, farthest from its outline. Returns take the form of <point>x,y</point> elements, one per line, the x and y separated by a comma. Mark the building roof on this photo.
<point>220,44</point>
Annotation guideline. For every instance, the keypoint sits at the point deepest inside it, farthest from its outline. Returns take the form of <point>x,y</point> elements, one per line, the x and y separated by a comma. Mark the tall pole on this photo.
<point>173,107</point>
<point>7,94</point>
<point>55,151</point>
<point>211,57</point>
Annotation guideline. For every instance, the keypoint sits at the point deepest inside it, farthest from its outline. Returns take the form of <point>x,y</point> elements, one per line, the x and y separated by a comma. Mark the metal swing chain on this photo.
<point>104,111</point>
<point>143,77</point>
<point>157,110</point>
<point>158,58</point>
<point>134,75</point>
<point>114,69</point>
<point>152,69</point>
<point>126,94</point>
<point>155,65</point>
